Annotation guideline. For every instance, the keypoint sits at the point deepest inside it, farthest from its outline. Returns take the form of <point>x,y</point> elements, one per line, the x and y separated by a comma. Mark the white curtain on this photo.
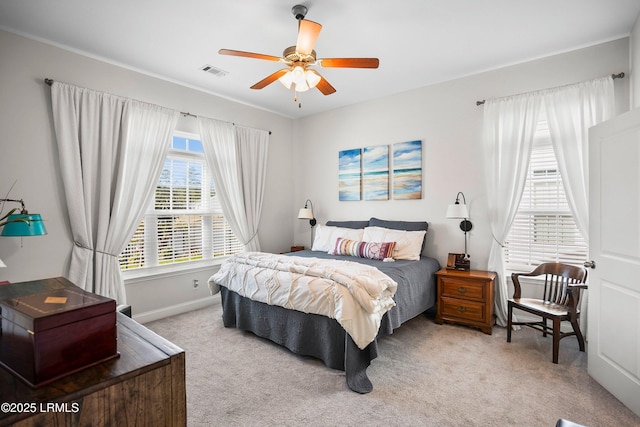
<point>253,146</point>
<point>508,136</point>
<point>111,153</point>
<point>571,111</point>
<point>237,158</point>
<point>509,126</point>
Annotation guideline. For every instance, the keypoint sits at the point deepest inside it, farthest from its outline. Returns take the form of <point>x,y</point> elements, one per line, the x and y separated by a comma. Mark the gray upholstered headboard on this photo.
<point>348,224</point>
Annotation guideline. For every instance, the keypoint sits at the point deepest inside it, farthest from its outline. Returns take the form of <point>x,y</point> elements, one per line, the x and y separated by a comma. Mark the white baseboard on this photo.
<point>173,310</point>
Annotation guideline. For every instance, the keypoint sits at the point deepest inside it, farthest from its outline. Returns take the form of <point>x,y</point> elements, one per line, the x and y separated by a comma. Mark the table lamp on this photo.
<point>21,224</point>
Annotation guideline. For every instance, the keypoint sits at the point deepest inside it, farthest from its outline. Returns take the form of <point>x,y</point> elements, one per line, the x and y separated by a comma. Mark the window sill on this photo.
<point>145,274</point>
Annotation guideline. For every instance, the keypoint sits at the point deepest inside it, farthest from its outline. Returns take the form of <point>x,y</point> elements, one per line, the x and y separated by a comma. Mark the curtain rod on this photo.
<point>613,76</point>
<point>50,82</point>
<point>195,116</point>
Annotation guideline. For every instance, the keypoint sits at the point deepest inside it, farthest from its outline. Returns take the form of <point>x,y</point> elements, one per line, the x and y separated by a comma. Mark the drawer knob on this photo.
<point>462,309</point>
<point>462,289</point>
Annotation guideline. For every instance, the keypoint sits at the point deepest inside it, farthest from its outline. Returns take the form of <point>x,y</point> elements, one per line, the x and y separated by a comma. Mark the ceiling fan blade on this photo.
<point>325,87</point>
<point>349,62</point>
<point>270,79</point>
<point>250,55</point>
<point>308,32</point>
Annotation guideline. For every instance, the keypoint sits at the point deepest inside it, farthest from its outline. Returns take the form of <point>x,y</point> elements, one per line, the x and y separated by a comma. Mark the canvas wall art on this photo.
<point>407,170</point>
<point>375,173</point>
<point>349,174</point>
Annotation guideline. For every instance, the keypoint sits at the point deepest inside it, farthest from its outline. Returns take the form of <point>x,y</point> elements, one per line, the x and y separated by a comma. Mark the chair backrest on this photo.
<point>557,277</point>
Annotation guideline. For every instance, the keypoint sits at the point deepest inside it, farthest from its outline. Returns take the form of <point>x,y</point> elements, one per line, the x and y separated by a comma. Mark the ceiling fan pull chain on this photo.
<point>295,98</point>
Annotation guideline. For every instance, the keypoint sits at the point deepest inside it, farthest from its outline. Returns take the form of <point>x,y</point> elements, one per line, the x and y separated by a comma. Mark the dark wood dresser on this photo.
<point>144,386</point>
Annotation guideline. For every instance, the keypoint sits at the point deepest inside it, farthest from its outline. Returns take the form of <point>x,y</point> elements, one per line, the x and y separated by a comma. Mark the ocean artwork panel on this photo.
<point>407,170</point>
<point>375,173</point>
<point>349,174</point>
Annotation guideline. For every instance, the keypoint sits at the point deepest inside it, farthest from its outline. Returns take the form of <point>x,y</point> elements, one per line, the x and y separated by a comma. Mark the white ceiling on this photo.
<point>419,42</point>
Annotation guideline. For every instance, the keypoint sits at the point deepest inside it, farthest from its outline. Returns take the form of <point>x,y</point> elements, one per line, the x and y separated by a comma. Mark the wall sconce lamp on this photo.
<point>307,213</point>
<point>458,210</point>
<point>21,224</point>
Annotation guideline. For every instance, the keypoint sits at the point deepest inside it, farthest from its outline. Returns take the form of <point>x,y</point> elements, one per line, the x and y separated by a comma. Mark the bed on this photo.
<point>322,337</point>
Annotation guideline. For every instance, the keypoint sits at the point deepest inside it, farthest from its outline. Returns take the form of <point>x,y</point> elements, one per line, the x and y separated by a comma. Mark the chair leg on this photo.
<point>556,339</point>
<point>576,329</point>
<point>544,326</point>
<point>509,326</point>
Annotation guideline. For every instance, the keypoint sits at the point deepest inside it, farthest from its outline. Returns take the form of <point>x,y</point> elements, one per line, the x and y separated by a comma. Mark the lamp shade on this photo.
<point>24,225</point>
<point>457,210</point>
<point>305,213</point>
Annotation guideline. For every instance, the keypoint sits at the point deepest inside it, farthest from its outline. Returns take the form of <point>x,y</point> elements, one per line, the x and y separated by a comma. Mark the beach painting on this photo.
<point>375,173</point>
<point>407,170</point>
<point>349,174</point>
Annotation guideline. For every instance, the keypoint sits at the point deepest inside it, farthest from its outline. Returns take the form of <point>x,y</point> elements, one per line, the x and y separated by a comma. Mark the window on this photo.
<point>184,222</point>
<point>544,229</point>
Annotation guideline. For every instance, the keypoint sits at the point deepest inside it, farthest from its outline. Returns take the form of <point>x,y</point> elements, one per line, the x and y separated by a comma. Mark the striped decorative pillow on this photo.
<point>372,250</point>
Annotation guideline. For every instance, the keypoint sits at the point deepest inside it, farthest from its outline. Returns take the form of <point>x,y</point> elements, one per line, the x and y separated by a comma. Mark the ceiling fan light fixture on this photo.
<point>300,79</point>
<point>295,79</point>
<point>313,78</point>
<point>287,79</point>
<point>301,86</point>
<point>298,74</point>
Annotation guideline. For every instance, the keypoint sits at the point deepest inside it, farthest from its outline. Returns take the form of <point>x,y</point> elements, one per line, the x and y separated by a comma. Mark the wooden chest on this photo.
<point>54,330</point>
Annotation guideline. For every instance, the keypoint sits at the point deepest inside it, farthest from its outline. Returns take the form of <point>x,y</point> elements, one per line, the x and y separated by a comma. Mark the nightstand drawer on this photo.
<point>460,288</point>
<point>462,309</point>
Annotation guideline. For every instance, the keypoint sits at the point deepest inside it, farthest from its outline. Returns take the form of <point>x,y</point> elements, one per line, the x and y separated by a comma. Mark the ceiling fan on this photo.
<point>299,75</point>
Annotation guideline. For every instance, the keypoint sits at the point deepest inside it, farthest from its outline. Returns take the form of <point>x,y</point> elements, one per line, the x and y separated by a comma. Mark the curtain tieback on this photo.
<point>251,238</point>
<point>497,241</point>
<point>78,244</point>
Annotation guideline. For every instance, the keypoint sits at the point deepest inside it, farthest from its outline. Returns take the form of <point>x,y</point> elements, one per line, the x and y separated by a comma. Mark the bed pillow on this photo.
<point>326,236</point>
<point>401,225</point>
<point>371,250</point>
<point>408,243</point>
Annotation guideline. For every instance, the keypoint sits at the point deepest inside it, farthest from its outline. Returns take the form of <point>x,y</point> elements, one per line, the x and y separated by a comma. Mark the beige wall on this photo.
<point>28,157</point>
<point>445,117</point>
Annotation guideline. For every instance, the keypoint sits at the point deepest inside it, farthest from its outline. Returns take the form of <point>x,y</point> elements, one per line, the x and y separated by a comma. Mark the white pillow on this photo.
<point>408,243</point>
<point>326,236</point>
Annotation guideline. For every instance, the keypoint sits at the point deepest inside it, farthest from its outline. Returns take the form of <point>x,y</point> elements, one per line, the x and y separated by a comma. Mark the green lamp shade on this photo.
<point>24,225</point>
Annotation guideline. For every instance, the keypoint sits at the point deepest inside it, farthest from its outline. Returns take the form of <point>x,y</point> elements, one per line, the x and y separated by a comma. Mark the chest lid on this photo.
<point>52,308</point>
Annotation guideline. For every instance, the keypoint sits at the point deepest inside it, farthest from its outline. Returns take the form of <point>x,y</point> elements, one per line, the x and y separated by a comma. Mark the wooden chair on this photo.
<point>560,302</point>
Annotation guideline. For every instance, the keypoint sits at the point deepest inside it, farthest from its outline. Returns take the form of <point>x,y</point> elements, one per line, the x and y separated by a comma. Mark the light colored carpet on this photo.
<point>425,375</point>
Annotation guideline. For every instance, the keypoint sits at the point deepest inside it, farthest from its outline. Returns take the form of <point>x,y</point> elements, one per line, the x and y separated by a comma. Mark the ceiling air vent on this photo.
<point>213,70</point>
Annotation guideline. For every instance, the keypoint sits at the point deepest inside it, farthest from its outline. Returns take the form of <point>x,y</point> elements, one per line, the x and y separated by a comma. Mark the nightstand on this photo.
<point>466,298</point>
<point>293,249</point>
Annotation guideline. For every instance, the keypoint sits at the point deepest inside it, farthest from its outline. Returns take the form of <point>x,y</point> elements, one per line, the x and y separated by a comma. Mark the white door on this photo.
<point>614,246</point>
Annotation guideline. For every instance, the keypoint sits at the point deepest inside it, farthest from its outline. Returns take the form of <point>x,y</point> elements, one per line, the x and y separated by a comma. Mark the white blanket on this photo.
<point>354,294</point>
